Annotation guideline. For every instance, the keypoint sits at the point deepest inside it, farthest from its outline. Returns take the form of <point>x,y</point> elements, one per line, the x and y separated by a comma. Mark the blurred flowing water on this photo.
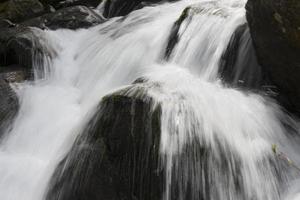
<point>216,141</point>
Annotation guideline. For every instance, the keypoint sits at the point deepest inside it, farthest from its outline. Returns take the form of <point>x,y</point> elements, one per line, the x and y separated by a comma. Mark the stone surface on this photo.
<point>275,29</point>
<point>9,103</point>
<point>68,3</point>
<point>239,65</point>
<point>69,18</point>
<point>19,10</point>
<point>116,157</point>
<point>115,8</point>
<point>25,47</point>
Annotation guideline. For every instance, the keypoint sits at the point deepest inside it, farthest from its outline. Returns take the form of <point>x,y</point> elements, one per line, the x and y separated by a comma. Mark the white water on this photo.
<point>91,63</point>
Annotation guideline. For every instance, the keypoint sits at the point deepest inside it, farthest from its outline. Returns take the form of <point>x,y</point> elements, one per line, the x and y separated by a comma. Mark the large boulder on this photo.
<point>70,18</point>
<point>275,29</point>
<point>19,10</point>
<point>116,156</point>
<point>25,47</point>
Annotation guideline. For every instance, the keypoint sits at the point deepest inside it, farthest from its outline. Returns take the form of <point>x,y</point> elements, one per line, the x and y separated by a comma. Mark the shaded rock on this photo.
<point>4,23</point>
<point>8,106</point>
<point>275,29</point>
<point>181,24</point>
<point>70,18</point>
<point>68,3</point>
<point>9,103</point>
<point>174,35</point>
<point>20,10</point>
<point>239,66</point>
<point>25,47</point>
<point>115,8</point>
<point>116,156</point>
<point>15,74</point>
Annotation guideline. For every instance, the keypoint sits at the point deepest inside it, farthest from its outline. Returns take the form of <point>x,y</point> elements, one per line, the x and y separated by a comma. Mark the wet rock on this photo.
<point>239,66</point>
<point>275,29</point>
<point>70,18</point>
<point>184,20</point>
<point>174,35</point>
<point>116,156</point>
<point>4,23</point>
<point>8,106</point>
<point>9,103</point>
<point>15,74</point>
<point>19,10</point>
<point>115,8</point>
<point>25,47</point>
<point>68,3</point>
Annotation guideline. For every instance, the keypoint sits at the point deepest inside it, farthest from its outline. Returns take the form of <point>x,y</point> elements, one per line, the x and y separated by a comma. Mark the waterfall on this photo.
<point>202,118</point>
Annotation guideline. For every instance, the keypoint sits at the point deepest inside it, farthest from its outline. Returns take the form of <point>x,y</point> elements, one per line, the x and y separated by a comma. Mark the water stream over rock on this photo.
<point>215,139</point>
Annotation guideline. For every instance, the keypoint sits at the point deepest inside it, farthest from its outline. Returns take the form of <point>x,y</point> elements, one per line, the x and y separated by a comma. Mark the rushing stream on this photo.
<point>237,128</point>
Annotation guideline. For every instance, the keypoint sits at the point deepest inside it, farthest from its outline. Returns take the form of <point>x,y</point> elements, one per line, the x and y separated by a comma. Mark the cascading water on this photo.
<point>231,132</point>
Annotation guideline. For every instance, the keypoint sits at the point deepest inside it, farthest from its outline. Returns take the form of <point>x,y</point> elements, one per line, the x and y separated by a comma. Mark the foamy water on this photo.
<point>232,125</point>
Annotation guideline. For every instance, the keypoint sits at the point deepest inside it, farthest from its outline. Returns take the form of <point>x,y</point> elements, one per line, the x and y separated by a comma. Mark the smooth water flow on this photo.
<point>202,120</point>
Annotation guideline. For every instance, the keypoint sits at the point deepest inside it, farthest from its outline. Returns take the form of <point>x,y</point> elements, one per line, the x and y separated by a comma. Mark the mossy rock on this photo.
<point>74,17</point>
<point>20,10</point>
<point>275,30</point>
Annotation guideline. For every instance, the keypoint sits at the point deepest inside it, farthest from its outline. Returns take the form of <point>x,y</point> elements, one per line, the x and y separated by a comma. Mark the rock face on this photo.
<point>67,3</point>
<point>23,47</point>
<point>115,8</point>
<point>174,35</point>
<point>70,18</point>
<point>275,29</point>
<point>239,65</point>
<point>19,10</point>
<point>116,157</point>
<point>9,103</point>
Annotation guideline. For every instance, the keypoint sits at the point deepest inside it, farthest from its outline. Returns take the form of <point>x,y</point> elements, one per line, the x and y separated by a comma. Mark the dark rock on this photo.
<point>9,103</point>
<point>115,8</point>
<point>4,23</point>
<point>239,66</point>
<point>70,18</point>
<point>275,29</point>
<point>8,106</point>
<point>20,10</point>
<point>174,35</point>
<point>186,16</point>
<point>15,74</point>
<point>68,3</point>
<point>25,47</point>
<point>116,157</point>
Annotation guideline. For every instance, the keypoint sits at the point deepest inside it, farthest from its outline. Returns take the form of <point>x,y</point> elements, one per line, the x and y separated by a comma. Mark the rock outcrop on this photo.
<point>239,65</point>
<point>275,29</point>
<point>20,10</point>
<point>115,8</point>
<point>9,104</point>
<point>24,47</point>
<point>116,156</point>
<point>57,4</point>
<point>68,18</point>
